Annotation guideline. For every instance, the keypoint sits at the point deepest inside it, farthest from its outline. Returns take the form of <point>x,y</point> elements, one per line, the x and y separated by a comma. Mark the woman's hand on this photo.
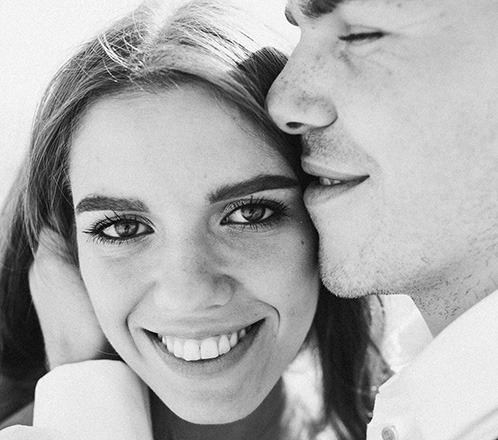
<point>68,322</point>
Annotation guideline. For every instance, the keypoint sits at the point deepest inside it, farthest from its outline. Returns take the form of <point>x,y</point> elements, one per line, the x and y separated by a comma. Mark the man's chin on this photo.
<point>354,284</point>
<point>343,291</point>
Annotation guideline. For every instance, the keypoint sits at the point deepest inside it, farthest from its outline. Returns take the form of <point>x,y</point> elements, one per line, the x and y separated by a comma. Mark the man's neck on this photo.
<point>444,304</point>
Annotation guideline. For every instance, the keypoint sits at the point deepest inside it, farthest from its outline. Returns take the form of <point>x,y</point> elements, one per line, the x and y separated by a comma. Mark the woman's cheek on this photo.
<point>114,287</point>
<point>289,268</point>
<point>302,272</point>
<point>301,249</point>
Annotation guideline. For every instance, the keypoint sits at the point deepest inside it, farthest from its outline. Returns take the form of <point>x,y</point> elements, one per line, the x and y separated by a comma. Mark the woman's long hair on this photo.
<point>203,43</point>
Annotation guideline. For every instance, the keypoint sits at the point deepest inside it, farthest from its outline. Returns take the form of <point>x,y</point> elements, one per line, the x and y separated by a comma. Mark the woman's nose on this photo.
<point>299,99</point>
<point>192,278</point>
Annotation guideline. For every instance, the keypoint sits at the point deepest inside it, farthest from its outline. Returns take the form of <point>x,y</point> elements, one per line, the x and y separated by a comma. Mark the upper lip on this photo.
<point>200,333</point>
<point>318,169</point>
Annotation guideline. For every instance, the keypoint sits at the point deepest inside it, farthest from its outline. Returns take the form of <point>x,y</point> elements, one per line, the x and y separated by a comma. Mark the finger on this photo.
<point>70,327</point>
<point>53,245</point>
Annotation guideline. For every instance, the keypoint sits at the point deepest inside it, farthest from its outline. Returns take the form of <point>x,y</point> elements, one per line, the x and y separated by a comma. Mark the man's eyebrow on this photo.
<point>314,8</point>
<point>289,17</point>
<point>263,182</point>
<point>104,203</point>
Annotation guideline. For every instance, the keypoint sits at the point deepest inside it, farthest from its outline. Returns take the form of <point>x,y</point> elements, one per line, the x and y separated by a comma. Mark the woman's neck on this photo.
<point>265,423</point>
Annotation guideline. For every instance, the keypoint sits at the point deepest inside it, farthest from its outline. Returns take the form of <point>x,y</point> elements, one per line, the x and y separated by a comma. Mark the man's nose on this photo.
<point>192,278</point>
<point>298,100</point>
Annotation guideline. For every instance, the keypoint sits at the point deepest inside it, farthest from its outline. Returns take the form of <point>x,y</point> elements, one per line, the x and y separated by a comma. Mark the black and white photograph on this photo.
<point>249,220</point>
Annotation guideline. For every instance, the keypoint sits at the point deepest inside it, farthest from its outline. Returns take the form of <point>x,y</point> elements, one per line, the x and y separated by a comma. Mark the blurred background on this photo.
<point>36,37</point>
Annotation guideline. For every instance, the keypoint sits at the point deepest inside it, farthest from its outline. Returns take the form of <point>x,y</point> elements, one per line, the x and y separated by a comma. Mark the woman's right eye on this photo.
<point>119,229</point>
<point>125,229</point>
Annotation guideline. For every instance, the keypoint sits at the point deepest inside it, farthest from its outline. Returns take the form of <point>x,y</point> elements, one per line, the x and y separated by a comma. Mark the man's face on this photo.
<point>398,105</point>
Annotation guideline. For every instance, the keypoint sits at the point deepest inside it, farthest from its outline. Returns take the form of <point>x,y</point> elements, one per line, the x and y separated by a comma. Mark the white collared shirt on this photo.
<point>450,391</point>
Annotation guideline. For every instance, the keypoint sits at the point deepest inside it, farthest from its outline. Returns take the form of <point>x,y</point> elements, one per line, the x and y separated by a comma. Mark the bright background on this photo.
<point>36,37</point>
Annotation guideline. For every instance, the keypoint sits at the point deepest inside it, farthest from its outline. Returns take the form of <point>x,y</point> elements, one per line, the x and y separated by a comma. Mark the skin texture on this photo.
<point>193,267</point>
<point>406,94</point>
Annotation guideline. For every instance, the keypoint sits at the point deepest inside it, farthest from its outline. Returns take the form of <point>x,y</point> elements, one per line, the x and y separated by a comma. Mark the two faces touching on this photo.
<point>159,164</point>
<point>194,245</point>
<point>158,169</point>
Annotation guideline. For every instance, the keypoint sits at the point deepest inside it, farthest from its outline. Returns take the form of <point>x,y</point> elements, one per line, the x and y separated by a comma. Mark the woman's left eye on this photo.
<point>254,213</point>
<point>249,214</point>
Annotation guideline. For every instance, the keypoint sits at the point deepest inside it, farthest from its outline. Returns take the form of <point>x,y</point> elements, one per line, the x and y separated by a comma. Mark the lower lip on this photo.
<point>211,367</point>
<point>317,194</point>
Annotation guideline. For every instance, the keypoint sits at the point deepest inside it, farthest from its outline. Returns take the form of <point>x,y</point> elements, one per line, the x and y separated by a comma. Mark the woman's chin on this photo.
<point>253,405</point>
<point>211,419</point>
<point>215,412</point>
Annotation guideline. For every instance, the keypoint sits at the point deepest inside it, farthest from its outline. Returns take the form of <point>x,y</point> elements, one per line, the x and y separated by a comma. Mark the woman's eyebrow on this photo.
<point>262,182</point>
<point>259,183</point>
<point>103,203</point>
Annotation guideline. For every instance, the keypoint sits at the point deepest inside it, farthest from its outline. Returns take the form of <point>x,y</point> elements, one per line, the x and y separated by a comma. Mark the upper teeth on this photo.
<point>209,348</point>
<point>329,182</point>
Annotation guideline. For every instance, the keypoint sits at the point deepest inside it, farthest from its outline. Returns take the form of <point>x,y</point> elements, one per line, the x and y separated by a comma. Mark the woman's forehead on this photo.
<point>178,139</point>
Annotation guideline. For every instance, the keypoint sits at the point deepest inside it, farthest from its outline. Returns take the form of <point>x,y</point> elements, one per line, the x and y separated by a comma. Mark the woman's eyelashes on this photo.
<point>120,228</point>
<point>254,213</point>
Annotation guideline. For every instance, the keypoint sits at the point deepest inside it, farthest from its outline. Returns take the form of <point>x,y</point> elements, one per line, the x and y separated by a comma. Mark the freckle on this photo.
<point>302,242</point>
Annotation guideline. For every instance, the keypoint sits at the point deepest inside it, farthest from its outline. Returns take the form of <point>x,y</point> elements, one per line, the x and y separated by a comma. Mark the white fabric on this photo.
<point>91,400</point>
<point>19,432</point>
<point>405,334</point>
<point>450,391</point>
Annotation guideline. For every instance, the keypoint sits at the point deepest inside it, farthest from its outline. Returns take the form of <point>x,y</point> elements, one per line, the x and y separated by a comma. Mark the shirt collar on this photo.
<point>453,382</point>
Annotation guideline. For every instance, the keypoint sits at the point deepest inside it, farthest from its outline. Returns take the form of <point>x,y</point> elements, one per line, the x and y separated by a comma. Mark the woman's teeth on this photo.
<point>209,348</point>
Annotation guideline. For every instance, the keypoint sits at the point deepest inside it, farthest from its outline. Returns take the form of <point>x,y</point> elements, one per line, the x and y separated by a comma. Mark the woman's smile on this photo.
<point>209,347</point>
<point>211,356</point>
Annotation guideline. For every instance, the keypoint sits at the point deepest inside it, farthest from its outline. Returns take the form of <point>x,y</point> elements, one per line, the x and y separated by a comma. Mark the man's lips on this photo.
<point>330,184</point>
<point>328,176</point>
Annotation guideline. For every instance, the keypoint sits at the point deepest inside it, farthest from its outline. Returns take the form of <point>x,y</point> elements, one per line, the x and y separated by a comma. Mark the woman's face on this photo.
<point>195,248</point>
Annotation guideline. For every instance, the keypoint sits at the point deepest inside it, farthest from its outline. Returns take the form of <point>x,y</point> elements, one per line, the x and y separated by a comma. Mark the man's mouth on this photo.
<point>329,182</point>
<point>328,176</point>
<point>326,181</point>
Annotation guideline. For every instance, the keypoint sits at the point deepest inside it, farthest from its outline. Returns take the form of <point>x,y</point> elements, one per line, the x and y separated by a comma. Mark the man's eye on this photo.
<point>362,37</point>
<point>249,214</point>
